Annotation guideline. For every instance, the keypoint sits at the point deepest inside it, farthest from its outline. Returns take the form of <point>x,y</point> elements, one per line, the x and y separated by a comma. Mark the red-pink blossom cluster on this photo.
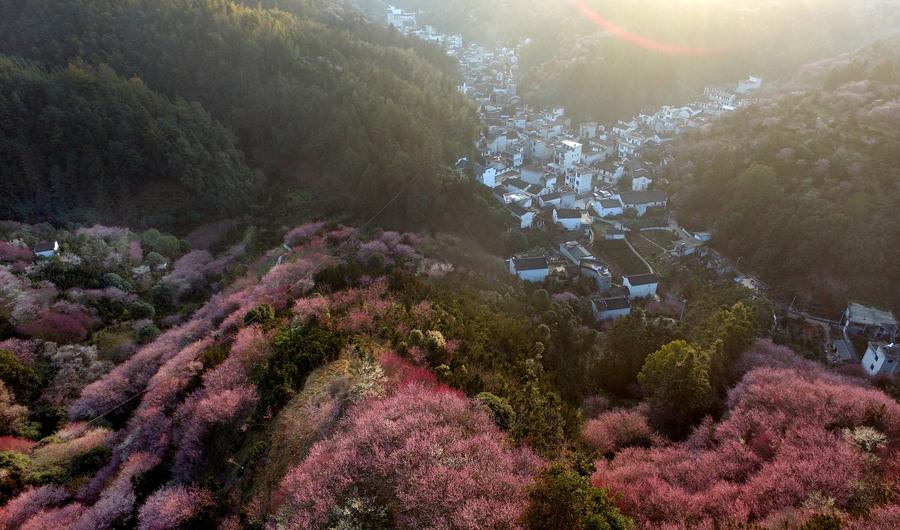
<point>12,443</point>
<point>104,232</point>
<point>303,233</point>
<point>132,376</point>
<point>617,429</point>
<point>432,460</point>
<point>11,253</point>
<point>171,506</point>
<point>25,351</point>
<point>781,443</point>
<point>26,505</point>
<point>199,414</point>
<point>117,500</point>
<point>63,322</point>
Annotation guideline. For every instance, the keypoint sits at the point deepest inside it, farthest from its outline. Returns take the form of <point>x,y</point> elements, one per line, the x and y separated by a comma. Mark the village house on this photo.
<point>720,95</point>
<point>610,171</point>
<point>881,359</point>
<point>580,178</point>
<point>574,252</point>
<point>524,215</point>
<point>641,285</point>
<point>567,154</point>
<point>750,84</point>
<point>608,208</point>
<point>550,199</point>
<point>400,19</point>
<point>641,201</point>
<point>614,234</point>
<point>640,182</point>
<point>46,249</point>
<point>610,308</point>
<point>533,270</point>
<point>598,271</point>
<point>870,322</point>
<point>569,220</point>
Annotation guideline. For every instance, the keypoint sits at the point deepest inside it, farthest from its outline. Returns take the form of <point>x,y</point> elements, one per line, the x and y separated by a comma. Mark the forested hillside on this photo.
<point>84,139</point>
<point>804,187</point>
<point>314,107</point>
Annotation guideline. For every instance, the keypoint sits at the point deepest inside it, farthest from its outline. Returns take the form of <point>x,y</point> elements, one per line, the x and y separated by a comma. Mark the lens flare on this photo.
<point>641,41</point>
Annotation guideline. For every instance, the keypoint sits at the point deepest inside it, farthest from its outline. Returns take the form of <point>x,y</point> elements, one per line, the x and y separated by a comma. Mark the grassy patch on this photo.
<point>619,257</point>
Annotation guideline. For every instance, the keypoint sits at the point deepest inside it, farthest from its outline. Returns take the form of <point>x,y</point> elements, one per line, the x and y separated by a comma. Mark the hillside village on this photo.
<point>584,183</point>
<point>578,181</point>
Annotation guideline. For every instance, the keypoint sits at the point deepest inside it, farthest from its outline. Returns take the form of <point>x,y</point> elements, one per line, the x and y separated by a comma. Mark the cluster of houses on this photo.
<point>544,169</point>
<point>571,262</point>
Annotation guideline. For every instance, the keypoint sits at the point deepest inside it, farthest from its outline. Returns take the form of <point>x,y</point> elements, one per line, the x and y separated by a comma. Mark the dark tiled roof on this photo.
<point>45,246</point>
<point>613,304</point>
<point>642,279</point>
<point>517,209</point>
<point>610,203</point>
<point>530,264</point>
<point>642,197</point>
<point>565,213</point>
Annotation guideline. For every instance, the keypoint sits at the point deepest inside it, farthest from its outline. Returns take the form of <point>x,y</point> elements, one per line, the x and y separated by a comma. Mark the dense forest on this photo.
<point>803,187</point>
<point>606,59</point>
<point>82,138</point>
<point>349,113</point>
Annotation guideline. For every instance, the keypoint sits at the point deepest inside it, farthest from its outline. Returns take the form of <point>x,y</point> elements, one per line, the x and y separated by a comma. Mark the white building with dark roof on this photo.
<point>610,308</point>
<point>567,219</point>
<point>46,249</point>
<point>574,252</point>
<point>641,285</point>
<point>608,207</point>
<point>870,322</point>
<point>641,201</point>
<point>533,270</point>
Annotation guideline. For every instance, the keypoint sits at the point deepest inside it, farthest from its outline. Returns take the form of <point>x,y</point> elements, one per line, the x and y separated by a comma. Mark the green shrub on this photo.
<point>260,315</point>
<point>147,334</point>
<point>22,380</point>
<point>501,411</point>
<point>297,351</point>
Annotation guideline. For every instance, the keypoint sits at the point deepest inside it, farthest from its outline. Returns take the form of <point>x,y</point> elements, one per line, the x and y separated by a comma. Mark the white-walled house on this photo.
<point>641,285</point>
<point>580,178</point>
<point>550,199</point>
<point>524,215</point>
<point>567,154</point>
<point>486,175</point>
<point>749,85</point>
<point>610,171</point>
<point>567,219</point>
<point>870,322</point>
<point>610,308</point>
<point>640,183</point>
<point>533,270</point>
<point>46,249</point>
<point>641,201</point>
<point>575,252</point>
<point>608,207</point>
<point>599,272</point>
<point>614,234</point>
<point>881,359</point>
